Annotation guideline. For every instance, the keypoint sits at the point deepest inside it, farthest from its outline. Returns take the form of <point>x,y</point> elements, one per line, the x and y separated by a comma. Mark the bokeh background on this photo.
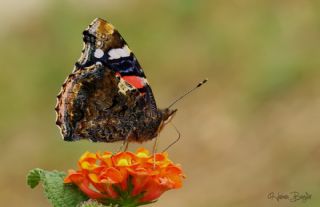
<point>253,129</point>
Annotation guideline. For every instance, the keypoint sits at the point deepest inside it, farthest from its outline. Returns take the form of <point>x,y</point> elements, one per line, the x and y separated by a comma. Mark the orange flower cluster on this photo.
<point>140,175</point>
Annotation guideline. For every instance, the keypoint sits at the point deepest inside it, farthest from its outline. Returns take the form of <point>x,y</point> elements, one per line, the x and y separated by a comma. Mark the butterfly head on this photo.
<point>167,115</point>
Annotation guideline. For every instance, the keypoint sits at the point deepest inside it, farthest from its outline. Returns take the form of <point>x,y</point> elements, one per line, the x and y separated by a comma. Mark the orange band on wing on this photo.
<point>135,81</point>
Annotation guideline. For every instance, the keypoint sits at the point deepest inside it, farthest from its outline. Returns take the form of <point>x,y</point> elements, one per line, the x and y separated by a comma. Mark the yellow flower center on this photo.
<point>123,162</point>
<point>88,166</point>
<point>142,155</point>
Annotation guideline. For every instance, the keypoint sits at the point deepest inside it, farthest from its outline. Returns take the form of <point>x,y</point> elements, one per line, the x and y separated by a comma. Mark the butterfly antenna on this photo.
<point>185,94</point>
<point>175,141</point>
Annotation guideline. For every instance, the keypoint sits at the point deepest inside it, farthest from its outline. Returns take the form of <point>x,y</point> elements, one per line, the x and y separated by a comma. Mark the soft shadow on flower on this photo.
<point>125,177</point>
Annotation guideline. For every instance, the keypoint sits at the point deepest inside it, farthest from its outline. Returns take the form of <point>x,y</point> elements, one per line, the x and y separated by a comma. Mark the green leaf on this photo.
<point>59,194</point>
<point>34,177</point>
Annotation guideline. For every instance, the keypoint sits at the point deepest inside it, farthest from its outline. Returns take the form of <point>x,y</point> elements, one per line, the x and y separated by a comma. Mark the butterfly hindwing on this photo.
<point>90,107</point>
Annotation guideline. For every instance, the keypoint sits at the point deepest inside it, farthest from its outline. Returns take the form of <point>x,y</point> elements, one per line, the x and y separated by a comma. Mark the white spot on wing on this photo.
<point>98,63</point>
<point>98,53</point>
<point>119,52</point>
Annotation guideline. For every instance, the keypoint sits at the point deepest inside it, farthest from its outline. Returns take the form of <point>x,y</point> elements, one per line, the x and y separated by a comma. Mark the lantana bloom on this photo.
<point>138,177</point>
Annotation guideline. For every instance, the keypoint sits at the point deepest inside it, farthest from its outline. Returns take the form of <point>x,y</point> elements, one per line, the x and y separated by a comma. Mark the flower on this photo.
<point>136,177</point>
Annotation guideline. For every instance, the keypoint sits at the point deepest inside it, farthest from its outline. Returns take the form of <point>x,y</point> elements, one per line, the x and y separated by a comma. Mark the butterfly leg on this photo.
<point>124,146</point>
<point>175,141</point>
<point>121,146</point>
<point>154,151</point>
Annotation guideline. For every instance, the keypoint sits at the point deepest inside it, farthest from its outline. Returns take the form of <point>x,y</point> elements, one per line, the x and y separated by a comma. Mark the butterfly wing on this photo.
<point>104,44</point>
<point>107,97</point>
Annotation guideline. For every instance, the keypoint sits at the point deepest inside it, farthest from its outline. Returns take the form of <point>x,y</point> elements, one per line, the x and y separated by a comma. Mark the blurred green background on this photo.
<point>253,129</point>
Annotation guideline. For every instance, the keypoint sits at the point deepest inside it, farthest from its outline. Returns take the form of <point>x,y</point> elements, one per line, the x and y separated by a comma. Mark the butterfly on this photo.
<point>107,97</point>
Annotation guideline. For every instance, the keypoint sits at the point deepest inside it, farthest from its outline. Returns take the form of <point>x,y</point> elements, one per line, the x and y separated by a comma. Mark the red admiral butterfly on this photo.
<point>107,97</point>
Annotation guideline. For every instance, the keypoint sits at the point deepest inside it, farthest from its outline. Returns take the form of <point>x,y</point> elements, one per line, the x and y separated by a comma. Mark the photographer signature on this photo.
<point>293,196</point>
